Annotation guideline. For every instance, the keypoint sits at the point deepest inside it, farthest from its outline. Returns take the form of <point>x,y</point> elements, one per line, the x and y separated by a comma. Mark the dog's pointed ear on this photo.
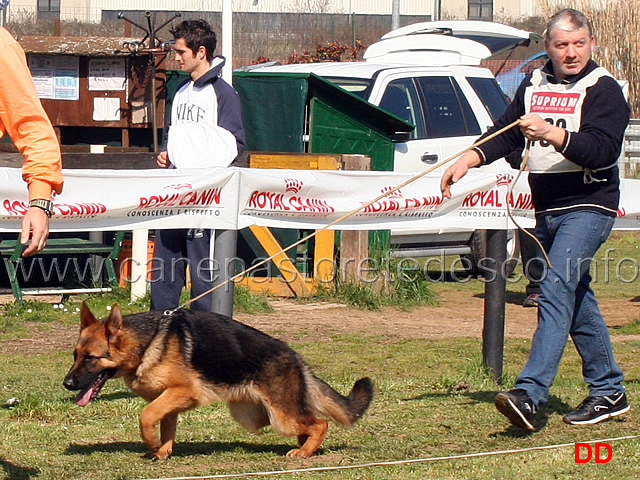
<point>114,322</point>
<point>86,317</point>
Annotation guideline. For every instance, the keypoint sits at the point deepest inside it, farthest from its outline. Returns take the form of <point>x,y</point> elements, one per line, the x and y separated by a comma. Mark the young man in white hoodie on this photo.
<point>204,130</point>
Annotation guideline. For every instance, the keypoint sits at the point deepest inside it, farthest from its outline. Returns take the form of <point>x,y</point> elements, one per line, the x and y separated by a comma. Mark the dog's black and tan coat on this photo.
<point>180,361</point>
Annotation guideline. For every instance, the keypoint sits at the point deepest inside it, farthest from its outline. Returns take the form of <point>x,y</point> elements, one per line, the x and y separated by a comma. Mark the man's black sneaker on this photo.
<point>517,407</point>
<point>594,410</point>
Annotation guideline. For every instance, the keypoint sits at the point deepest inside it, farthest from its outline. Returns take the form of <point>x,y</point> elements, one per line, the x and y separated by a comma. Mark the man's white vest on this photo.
<point>561,105</point>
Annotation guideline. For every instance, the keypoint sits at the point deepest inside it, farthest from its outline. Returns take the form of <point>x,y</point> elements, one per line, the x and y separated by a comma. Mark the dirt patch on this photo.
<point>458,315</point>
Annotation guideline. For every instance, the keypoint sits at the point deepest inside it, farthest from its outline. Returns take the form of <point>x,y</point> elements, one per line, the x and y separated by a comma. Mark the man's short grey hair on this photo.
<point>568,19</point>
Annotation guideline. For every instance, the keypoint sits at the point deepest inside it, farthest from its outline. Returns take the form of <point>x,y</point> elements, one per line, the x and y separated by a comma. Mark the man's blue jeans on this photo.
<point>568,307</point>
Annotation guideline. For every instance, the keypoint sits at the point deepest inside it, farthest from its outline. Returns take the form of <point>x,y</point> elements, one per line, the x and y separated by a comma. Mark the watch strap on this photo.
<point>46,205</point>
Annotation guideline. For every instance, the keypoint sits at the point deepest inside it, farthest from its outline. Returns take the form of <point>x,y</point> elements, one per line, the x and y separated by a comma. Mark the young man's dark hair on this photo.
<point>196,34</point>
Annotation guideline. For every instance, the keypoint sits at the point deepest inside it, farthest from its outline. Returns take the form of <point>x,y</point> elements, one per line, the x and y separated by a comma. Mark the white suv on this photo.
<point>422,82</point>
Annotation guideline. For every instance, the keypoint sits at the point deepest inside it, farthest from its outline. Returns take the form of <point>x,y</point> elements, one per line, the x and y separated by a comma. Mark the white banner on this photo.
<point>312,199</point>
<point>130,199</point>
<point>233,198</point>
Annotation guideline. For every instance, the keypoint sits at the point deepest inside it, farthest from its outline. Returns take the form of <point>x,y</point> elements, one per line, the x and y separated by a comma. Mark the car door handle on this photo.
<point>429,159</point>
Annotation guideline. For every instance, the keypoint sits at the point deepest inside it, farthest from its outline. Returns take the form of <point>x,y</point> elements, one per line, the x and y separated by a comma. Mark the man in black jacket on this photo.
<point>574,115</point>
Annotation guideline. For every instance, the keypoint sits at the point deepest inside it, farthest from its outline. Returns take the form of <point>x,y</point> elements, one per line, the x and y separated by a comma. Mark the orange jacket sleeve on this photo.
<point>23,118</point>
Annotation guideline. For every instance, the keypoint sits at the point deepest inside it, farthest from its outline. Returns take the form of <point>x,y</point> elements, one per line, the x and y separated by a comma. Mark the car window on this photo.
<point>447,112</point>
<point>490,94</point>
<point>401,99</point>
<point>356,86</point>
<point>534,63</point>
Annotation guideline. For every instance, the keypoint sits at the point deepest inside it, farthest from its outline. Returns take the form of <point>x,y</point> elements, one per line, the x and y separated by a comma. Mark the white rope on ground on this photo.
<point>396,462</point>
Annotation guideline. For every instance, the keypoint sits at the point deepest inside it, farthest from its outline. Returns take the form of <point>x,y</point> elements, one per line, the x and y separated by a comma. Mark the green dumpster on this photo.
<point>304,113</point>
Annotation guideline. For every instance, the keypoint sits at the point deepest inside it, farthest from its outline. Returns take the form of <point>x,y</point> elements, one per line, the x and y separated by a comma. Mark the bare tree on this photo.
<point>313,6</point>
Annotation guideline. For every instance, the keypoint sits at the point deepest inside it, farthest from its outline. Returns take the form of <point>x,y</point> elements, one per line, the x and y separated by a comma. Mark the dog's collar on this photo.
<point>169,312</point>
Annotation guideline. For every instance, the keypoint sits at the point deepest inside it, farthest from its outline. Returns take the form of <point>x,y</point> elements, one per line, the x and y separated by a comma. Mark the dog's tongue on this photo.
<point>85,396</point>
<point>89,393</point>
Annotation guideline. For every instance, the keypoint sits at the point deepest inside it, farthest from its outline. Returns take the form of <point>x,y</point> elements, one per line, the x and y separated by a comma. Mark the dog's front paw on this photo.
<point>299,452</point>
<point>157,455</point>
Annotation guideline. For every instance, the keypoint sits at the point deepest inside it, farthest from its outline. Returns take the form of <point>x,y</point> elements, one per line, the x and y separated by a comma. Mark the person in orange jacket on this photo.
<point>23,118</point>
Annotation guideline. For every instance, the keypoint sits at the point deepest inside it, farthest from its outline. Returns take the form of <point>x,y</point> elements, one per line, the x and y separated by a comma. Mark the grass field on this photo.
<point>433,401</point>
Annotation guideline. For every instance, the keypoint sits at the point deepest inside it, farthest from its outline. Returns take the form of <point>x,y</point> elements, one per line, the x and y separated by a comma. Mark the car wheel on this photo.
<point>478,245</point>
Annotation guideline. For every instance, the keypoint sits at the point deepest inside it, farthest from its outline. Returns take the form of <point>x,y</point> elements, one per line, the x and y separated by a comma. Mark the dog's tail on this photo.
<point>326,402</point>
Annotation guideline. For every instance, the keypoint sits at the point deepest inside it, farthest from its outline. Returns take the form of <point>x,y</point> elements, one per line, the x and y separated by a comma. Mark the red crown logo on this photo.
<point>179,186</point>
<point>292,185</point>
<point>503,179</point>
<point>396,194</point>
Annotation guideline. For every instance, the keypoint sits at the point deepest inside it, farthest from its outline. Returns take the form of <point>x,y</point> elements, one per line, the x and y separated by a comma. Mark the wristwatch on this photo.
<point>46,205</point>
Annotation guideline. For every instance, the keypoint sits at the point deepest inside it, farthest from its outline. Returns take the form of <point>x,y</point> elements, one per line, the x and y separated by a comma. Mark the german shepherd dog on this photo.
<point>179,361</point>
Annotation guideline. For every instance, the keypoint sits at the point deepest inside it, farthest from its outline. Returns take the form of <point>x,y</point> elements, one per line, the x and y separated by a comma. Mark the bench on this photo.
<point>11,251</point>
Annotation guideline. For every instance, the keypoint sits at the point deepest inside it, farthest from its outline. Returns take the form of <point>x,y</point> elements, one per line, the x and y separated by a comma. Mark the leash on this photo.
<point>523,166</point>
<point>350,214</point>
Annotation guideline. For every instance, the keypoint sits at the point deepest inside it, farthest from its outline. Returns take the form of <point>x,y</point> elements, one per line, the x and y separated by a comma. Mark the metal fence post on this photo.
<point>494,302</point>
<point>224,251</point>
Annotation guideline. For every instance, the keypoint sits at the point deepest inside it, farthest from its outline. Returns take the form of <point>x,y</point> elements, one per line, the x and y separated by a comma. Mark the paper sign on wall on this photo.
<point>56,77</point>
<point>106,109</point>
<point>107,74</point>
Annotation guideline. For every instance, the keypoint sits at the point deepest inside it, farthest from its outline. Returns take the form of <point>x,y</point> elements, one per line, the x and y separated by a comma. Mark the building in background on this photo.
<point>91,10</point>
